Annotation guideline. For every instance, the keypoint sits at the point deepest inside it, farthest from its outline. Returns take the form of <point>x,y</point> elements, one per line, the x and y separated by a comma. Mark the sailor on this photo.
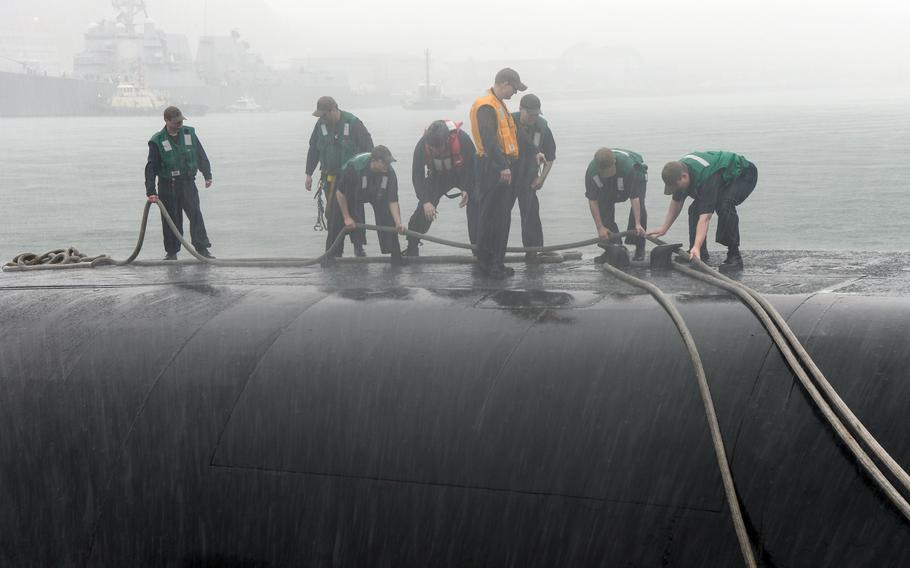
<point>615,176</point>
<point>536,154</point>
<point>496,137</point>
<point>443,161</point>
<point>369,178</point>
<point>175,155</point>
<point>337,137</point>
<point>717,181</point>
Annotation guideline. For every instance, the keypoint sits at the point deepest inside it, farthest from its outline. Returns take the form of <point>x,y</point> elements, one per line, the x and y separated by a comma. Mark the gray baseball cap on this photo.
<point>510,76</point>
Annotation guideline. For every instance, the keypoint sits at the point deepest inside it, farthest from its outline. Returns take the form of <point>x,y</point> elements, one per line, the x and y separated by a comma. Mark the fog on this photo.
<point>658,46</point>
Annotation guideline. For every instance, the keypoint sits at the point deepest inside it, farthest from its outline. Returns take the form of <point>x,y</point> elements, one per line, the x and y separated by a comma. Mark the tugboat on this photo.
<point>245,104</point>
<point>129,99</point>
<point>429,95</point>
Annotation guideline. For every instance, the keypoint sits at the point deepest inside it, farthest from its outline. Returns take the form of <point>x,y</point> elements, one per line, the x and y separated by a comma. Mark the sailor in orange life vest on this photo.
<point>369,178</point>
<point>443,161</point>
<point>496,137</point>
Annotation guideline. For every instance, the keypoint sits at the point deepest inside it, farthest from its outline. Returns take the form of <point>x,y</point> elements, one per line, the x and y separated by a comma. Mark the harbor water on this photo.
<point>833,172</point>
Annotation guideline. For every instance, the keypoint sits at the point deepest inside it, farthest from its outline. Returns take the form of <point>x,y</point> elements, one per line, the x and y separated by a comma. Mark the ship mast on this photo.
<point>427,89</point>
<point>128,10</point>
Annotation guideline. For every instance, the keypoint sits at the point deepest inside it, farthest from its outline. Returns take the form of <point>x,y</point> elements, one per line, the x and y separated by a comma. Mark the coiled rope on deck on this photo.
<point>798,359</point>
<point>105,260</point>
<point>69,256</point>
<point>717,440</point>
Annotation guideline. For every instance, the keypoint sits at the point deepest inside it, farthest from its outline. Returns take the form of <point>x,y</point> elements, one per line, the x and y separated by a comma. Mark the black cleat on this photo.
<point>204,252</point>
<point>614,255</point>
<point>639,252</point>
<point>171,256</point>
<point>733,263</point>
<point>358,250</point>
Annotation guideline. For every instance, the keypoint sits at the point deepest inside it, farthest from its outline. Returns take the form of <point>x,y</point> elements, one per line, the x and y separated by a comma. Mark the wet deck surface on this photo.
<point>769,272</point>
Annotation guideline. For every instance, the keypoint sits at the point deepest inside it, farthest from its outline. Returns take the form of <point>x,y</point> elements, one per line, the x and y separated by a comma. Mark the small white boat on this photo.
<point>245,104</point>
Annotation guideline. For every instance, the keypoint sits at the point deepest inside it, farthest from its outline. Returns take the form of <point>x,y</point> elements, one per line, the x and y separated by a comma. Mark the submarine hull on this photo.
<point>263,424</point>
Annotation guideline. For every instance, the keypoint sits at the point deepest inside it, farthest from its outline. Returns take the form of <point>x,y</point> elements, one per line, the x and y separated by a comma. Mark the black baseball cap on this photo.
<point>530,103</point>
<point>382,154</point>
<point>437,133</point>
<point>324,105</point>
<point>510,76</point>
<point>173,113</point>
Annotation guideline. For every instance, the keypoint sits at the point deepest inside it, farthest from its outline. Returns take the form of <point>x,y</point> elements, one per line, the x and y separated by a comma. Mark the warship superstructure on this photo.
<point>131,49</point>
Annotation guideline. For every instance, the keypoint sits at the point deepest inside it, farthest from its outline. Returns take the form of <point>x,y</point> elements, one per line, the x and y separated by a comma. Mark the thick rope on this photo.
<point>822,381</point>
<point>58,257</point>
<point>739,524</point>
<point>103,260</point>
<point>778,328</point>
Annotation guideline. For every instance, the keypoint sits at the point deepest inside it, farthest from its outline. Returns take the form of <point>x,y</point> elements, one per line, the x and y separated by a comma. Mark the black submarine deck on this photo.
<point>768,272</point>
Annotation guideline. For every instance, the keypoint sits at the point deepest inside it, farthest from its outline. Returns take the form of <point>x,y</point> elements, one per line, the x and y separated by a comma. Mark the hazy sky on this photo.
<point>863,39</point>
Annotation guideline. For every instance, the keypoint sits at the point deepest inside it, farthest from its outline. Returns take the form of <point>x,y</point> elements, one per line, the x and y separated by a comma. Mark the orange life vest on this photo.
<point>451,158</point>
<point>505,131</point>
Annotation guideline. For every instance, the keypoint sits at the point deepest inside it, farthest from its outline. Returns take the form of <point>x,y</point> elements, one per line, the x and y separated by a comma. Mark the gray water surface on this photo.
<point>833,173</point>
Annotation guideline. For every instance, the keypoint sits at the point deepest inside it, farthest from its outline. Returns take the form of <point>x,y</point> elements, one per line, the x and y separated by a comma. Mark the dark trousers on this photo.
<point>608,217</point>
<point>179,196</point>
<point>529,207</point>
<point>728,198</point>
<point>335,218</point>
<point>421,224</point>
<point>388,242</point>
<point>633,240</point>
<point>496,200</point>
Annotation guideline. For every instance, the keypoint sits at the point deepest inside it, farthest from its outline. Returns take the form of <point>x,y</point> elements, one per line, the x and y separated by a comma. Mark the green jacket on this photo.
<point>631,170</point>
<point>336,144</point>
<point>360,162</point>
<point>535,130</point>
<point>380,182</point>
<point>703,165</point>
<point>177,160</point>
<point>525,169</point>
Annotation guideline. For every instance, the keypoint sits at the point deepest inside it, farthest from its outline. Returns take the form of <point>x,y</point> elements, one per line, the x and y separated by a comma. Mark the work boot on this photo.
<point>358,250</point>
<point>496,273</point>
<point>171,256</point>
<point>204,252</point>
<point>413,249</point>
<point>639,252</point>
<point>506,270</point>
<point>733,262</point>
<point>396,259</point>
